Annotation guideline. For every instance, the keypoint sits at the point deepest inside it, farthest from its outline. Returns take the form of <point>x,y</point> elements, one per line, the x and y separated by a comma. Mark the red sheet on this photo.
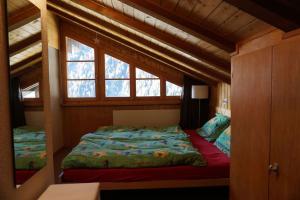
<point>217,167</point>
<point>23,175</point>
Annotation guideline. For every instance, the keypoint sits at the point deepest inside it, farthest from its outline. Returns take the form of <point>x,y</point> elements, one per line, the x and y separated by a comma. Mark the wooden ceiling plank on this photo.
<point>162,36</point>
<point>26,61</point>
<point>183,24</point>
<point>23,16</point>
<point>193,73</point>
<point>270,12</point>
<point>25,44</point>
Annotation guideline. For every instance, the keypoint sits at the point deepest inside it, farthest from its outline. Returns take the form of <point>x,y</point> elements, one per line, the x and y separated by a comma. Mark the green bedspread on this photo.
<point>128,147</point>
<point>30,148</point>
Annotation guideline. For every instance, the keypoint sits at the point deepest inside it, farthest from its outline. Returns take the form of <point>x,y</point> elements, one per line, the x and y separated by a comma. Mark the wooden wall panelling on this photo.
<point>259,41</point>
<point>219,93</point>
<point>82,120</point>
<point>251,101</point>
<point>53,30</point>
<point>285,148</point>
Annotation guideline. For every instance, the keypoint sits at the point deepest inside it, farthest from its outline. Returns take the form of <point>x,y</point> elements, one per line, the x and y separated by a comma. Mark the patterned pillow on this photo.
<point>223,141</point>
<point>214,127</point>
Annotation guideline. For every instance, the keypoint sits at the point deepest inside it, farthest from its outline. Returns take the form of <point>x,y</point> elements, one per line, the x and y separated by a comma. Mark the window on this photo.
<point>31,92</point>
<point>173,90</point>
<point>117,77</point>
<point>80,70</point>
<point>147,84</point>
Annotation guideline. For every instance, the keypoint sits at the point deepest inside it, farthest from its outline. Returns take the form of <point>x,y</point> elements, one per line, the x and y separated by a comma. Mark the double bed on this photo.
<point>175,158</point>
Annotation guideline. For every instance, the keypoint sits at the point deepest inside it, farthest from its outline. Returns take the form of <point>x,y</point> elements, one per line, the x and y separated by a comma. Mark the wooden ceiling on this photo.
<point>24,25</point>
<point>197,35</point>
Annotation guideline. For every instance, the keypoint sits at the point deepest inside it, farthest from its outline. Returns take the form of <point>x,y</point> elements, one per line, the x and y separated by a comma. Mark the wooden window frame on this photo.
<point>160,84</point>
<point>64,70</point>
<point>174,84</point>
<point>34,102</point>
<point>102,68</point>
<point>101,99</point>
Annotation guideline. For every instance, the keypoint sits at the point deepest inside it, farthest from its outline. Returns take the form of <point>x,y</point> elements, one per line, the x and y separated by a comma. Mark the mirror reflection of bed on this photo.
<point>26,94</point>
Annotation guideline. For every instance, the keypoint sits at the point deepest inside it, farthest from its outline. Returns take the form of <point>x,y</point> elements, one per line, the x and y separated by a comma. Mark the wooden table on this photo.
<point>80,191</point>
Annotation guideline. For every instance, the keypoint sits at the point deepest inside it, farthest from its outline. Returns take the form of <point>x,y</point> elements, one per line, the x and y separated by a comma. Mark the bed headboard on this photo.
<point>223,111</point>
<point>158,117</point>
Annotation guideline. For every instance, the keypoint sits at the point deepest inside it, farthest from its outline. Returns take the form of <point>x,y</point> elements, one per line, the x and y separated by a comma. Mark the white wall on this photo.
<point>146,117</point>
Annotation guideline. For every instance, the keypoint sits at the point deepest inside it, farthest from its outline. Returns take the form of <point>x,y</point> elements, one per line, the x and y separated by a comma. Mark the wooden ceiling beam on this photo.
<point>182,23</point>
<point>157,34</point>
<point>25,44</point>
<point>195,73</point>
<point>32,59</point>
<point>274,12</point>
<point>23,16</point>
<point>25,70</point>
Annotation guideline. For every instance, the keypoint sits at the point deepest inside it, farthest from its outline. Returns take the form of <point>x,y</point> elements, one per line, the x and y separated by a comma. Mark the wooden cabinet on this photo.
<point>265,157</point>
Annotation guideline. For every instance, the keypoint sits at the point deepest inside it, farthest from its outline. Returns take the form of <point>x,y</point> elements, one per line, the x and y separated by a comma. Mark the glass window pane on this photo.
<point>78,51</point>
<point>117,88</point>
<point>172,89</point>
<point>31,91</point>
<point>81,89</point>
<point>143,74</point>
<point>115,68</point>
<point>81,70</point>
<point>146,88</point>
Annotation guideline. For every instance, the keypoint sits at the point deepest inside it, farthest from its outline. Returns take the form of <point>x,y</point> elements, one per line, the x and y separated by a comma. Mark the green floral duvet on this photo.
<point>30,148</point>
<point>128,147</point>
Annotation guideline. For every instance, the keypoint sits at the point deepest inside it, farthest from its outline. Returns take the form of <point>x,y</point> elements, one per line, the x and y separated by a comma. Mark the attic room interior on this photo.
<point>149,99</point>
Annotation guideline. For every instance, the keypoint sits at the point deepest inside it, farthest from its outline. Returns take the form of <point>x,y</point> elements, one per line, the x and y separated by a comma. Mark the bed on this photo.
<point>30,152</point>
<point>214,172</point>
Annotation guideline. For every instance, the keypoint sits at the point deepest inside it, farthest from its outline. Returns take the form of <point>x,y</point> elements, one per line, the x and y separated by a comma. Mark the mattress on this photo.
<point>217,167</point>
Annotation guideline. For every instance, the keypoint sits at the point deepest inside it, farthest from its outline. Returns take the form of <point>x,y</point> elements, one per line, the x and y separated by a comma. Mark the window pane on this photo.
<point>117,88</point>
<point>147,88</point>
<point>143,74</point>
<point>31,91</point>
<point>81,89</point>
<point>115,68</point>
<point>172,89</point>
<point>78,51</point>
<point>81,70</point>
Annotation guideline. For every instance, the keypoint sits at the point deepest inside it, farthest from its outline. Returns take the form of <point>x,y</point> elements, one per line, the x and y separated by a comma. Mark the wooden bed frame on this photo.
<point>165,184</point>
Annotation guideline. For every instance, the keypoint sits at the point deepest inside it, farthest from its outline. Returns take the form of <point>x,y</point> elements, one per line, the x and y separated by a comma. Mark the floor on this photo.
<point>218,193</point>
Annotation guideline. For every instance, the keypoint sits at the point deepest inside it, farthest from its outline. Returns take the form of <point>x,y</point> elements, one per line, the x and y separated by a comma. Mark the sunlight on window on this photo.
<point>147,85</point>
<point>31,92</point>
<point>80,70</point>
<point>172,89</point>
<point>117,78</point>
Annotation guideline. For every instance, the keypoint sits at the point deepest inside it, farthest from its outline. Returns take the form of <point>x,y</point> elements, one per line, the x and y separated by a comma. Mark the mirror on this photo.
<point>26,99</point>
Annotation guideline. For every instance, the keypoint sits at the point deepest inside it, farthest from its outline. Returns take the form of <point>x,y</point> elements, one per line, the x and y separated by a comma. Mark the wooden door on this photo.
<point>285,130</point>
<point>250,112</point>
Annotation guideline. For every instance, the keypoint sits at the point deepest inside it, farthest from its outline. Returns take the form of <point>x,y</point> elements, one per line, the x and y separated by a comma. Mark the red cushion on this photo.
<point>217,167</point>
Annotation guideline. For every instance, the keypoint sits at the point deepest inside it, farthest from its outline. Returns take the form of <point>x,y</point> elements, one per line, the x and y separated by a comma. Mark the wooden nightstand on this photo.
<point>80,191</point>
